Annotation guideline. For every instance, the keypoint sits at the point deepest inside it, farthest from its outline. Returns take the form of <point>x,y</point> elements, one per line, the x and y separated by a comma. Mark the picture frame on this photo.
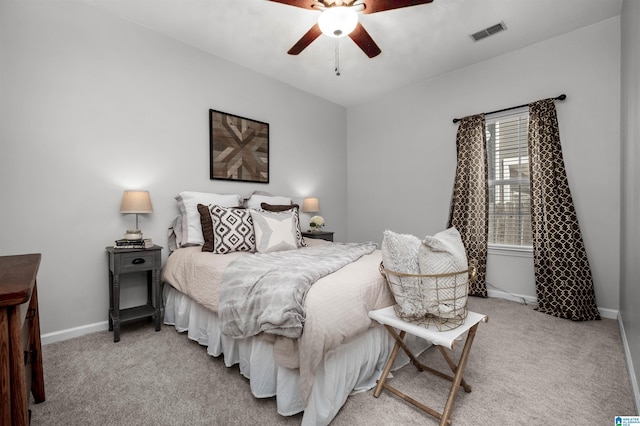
<point>238,148</point>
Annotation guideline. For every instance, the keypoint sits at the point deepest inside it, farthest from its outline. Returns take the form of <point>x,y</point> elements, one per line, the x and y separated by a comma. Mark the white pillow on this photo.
<point>296,217</point>
<point>256,200</point>
<point>441,254</point>
<point>274,231</point>
<point>188,204</point>
<point>400,254</point>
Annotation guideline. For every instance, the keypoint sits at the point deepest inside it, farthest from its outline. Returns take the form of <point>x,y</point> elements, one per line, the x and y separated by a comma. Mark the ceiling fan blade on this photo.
<point>373,6</point>
<point>305,4</point>
<point>364,41</point>
<point>313,33</point>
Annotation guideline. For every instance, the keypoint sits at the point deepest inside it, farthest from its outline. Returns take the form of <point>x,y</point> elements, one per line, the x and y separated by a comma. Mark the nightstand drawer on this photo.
<point>137,261</point>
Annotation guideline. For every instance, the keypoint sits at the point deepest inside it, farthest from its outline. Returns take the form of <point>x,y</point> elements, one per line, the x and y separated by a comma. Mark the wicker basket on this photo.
<point>446,300</point>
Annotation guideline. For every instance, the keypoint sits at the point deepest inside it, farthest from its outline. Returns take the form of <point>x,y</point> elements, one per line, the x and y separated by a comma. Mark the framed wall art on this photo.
<point>239,148</point>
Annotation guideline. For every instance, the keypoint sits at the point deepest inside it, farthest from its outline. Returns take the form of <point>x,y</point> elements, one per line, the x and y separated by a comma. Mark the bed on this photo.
<point>339,352</point>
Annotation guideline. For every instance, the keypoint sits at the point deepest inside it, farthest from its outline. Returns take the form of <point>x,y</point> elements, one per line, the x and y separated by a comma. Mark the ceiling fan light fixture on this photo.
<point>338,21</point>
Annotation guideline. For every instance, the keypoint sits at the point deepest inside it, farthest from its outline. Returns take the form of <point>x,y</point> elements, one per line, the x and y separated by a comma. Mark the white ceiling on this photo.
<point>417,43</point>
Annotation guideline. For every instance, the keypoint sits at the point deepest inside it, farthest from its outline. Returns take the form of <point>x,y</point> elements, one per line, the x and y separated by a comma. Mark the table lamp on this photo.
<point>310,205</point>
<point>138,202</point>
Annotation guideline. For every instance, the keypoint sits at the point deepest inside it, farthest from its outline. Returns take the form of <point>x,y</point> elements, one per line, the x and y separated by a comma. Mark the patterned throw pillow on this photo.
<point>441,254</point>
<point>207,227</point>
<point>296,217</point>
<point>274,231</point>
<point>232,230</point>
<point>400,254</point>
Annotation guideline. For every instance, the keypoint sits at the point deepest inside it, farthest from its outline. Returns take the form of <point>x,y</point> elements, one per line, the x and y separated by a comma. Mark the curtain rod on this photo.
<point>559,98</point>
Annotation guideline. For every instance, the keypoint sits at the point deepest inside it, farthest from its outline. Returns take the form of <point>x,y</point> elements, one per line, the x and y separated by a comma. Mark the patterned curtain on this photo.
<point>564,284</point>
<point>469,204</point>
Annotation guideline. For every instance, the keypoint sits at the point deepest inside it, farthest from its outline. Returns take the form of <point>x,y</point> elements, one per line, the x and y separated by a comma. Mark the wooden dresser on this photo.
<point>20,347</point>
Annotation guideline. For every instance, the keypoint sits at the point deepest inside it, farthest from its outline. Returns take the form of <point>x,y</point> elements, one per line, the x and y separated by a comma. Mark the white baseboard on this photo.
<point>608,313</point>
<point>630,369</point>
<point>58,336</point>
<point>499,294</point>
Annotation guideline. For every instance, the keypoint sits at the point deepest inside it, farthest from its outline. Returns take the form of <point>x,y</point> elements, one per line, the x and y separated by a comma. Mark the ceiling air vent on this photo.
<point>494,29</point>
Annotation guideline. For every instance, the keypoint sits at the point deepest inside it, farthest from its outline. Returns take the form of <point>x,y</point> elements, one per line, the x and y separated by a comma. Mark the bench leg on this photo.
<point>458,376</point>
<point>453,366</point>
<point>388,365</point>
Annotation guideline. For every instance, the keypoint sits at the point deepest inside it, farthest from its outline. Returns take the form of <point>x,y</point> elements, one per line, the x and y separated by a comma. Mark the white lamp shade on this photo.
<point>310,205</point>
<point>338,21</point>
<point>136,202</point>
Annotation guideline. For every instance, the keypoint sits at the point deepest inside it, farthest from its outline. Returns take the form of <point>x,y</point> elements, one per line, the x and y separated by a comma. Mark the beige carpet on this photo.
<point>525,368</point>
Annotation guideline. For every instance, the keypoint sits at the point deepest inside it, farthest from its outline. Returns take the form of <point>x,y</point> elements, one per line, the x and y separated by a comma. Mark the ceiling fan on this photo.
<point>339,18</point>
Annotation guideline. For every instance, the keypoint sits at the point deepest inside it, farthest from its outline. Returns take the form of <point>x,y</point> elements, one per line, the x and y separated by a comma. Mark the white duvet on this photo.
<point>336,306</point>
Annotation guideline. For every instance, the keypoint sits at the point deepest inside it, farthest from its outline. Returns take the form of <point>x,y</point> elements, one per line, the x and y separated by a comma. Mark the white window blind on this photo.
<point>509,184</point>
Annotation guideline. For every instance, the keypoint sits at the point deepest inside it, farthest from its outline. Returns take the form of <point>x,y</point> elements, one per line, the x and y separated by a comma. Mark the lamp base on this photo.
<point>133,234</point>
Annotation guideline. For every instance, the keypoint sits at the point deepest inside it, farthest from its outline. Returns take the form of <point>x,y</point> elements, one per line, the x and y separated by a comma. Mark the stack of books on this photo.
<point>134,244</point>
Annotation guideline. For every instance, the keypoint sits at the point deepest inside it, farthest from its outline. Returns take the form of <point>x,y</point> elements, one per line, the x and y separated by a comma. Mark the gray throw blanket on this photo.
<point>265,292</point>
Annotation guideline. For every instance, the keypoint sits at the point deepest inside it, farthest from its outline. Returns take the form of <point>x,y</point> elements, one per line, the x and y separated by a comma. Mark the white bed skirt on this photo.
<point>350,368</point>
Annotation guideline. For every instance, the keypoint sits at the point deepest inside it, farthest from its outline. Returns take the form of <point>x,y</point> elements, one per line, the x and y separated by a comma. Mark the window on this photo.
<point>509,184</point>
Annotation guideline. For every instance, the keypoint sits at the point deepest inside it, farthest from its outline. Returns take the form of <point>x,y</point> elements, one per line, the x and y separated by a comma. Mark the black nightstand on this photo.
<point>123,261</point>
<point>322,235</point>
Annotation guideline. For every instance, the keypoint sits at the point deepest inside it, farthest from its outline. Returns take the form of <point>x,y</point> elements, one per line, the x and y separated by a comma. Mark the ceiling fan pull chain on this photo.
<point>337,58</point>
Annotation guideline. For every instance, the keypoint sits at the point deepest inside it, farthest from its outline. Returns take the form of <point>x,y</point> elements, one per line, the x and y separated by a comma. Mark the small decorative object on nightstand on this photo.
<point>319,235</point>
<point>123,261</point>
<point>316,223</point>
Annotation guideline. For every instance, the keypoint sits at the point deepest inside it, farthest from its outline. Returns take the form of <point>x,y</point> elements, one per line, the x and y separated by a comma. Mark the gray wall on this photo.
<point>91,105</point>
<point>630,226</point>
<point>402,153</point>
